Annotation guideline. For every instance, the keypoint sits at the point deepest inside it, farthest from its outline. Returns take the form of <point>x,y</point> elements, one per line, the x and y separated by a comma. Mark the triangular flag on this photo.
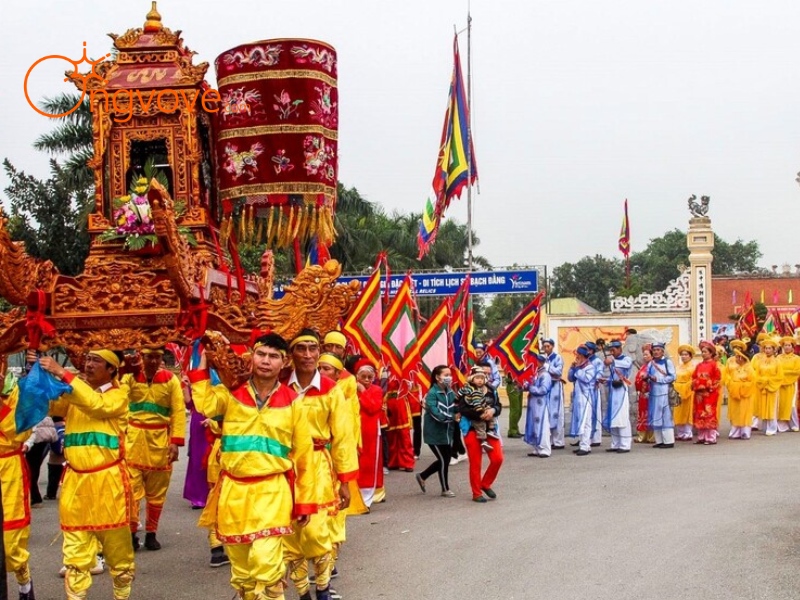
<point>432,347</point>
<point>516,346</point>
<point>364,324</point>
<point>399,330</point>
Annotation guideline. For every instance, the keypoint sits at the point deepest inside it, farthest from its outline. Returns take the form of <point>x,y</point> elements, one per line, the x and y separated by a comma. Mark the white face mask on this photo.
<point>447,381</point>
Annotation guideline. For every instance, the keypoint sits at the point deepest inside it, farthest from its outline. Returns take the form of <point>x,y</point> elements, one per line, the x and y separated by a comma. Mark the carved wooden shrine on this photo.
<point>170,291</point>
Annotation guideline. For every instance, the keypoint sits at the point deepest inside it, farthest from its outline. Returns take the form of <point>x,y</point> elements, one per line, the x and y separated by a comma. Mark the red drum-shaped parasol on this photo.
<point>277,140</point>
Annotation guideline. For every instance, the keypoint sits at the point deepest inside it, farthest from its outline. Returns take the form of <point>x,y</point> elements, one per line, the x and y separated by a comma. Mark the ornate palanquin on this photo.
<point>172,292</point>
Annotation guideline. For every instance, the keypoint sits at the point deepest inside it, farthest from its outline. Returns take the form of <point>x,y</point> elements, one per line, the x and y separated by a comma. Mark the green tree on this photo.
<point>71,139</point>
<point>50,216</point>
<point>590,279</point>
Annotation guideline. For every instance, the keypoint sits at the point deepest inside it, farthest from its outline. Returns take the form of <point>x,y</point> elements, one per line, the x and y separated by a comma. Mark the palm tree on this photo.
<point>71,138</point>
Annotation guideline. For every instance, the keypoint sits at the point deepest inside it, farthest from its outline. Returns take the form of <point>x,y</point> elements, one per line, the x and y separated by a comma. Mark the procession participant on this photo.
<point>555,397</point>
<point>600,377</point>
<point>156,428</point>
<point>661,372</point>
<point>790,365</point>
<point>683,414</point>
<point>439,427</point>
<point>642,382</point>
<point>739,379</point>
<point>618,411</point>
<point>583,375</point>
<point>330,425</point>
<point>15,489</point>
<point>482,357</point>
<point>481,485</point>
<point>398,432</point>
<point>769,377</point>
<point>537,418</point>
<point>94,506</point>
<point>705,384</point>
<point>212,467</point>
<point>331,366</point>
<point>755,356</point>
<point>267,476</point>
<point>195,487</point>
<point>370,464</point>
<point>514,393</point>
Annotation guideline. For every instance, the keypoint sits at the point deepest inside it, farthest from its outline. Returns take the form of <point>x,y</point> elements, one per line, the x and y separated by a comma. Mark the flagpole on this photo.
<point>469,140</point>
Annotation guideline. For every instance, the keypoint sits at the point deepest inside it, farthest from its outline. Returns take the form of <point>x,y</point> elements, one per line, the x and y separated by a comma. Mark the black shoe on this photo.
<point>218,558</point>
<point>621,451</point>
<point>489,493</point>
<point>324,594</point>
<point>612,450</point>
<point>558,447</point>
<point>582,452</point>
<point>334,573</point>
<point>150,541</point>
<point>667,445</point>
<point>306,596</point>
<point>29,595</point>
<point>595,445</point>
<point>532,454</point>
<point>658,445</point>
<point>135,542</point>
<point>575,444</point>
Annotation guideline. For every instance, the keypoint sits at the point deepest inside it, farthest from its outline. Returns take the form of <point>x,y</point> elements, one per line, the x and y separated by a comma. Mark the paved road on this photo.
<point>694,522</point>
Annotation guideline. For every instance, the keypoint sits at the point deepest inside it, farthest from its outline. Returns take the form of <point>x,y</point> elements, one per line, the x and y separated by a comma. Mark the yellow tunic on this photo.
<point>95,492</point>
<point>156,419</point>
<point>330,422</point>
<point>769,377</point>
<point>790,365</point>
<point>740,382</point>
<point>13,468</point>
<point>682,414</point>
<point>259,450</point>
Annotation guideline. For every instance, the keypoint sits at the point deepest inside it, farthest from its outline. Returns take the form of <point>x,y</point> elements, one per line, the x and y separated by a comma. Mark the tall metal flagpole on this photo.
<point>469,140</point>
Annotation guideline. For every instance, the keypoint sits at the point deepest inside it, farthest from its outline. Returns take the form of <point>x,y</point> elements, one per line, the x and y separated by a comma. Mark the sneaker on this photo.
<point>385,471</point>
<point>218,558</point>
<point>487,446</point>
<point>448,494</point>
<point>334,594</point>
<point>489,493</point>
<point>480,499</point>
<point>324,594</point>
<point>150,541</point>
<point>99,567</point>
<point>334,574</point>
<point>453,462</point>
<point>420,482</point>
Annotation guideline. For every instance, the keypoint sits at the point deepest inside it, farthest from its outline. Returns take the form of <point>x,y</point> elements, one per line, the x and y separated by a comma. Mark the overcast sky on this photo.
<point>578,104</point>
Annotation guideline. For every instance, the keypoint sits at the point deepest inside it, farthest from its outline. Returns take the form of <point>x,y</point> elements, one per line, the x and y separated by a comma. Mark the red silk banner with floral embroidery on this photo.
<point>277,139</point>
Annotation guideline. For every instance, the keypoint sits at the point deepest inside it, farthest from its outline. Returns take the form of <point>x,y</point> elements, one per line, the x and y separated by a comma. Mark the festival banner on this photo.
<point>461,328</point>
<point>400,332</point>
<point>432,347</point>
<point>364,324</point>
<point>455,165</point>
<point>625,233</point>
<point>516,346</point>
<point>748,323</point>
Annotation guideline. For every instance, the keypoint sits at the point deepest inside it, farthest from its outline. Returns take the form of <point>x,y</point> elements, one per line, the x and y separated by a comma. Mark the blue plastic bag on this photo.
<point>36,390</point>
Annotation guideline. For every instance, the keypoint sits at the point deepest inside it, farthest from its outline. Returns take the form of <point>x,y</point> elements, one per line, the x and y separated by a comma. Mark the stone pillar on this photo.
<point>700,241</point>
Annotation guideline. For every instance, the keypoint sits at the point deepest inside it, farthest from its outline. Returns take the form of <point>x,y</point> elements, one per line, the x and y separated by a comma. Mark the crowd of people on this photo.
<point>277,463</point>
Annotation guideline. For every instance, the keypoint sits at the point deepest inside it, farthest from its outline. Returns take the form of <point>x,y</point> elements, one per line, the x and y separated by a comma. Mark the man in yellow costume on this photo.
<point>156,428</point>
<point>266,477</point>
<point>94,505</point>
<point>335,464</point>
<point>787,395</point>
<point>15,485</point>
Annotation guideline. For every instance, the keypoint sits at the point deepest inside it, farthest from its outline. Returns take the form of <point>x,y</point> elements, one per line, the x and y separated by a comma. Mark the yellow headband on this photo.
<point>108,356</point>
<point>335,337</point>
<point>262,344</point>
<point>303,338</point>
<point>332,360</point>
